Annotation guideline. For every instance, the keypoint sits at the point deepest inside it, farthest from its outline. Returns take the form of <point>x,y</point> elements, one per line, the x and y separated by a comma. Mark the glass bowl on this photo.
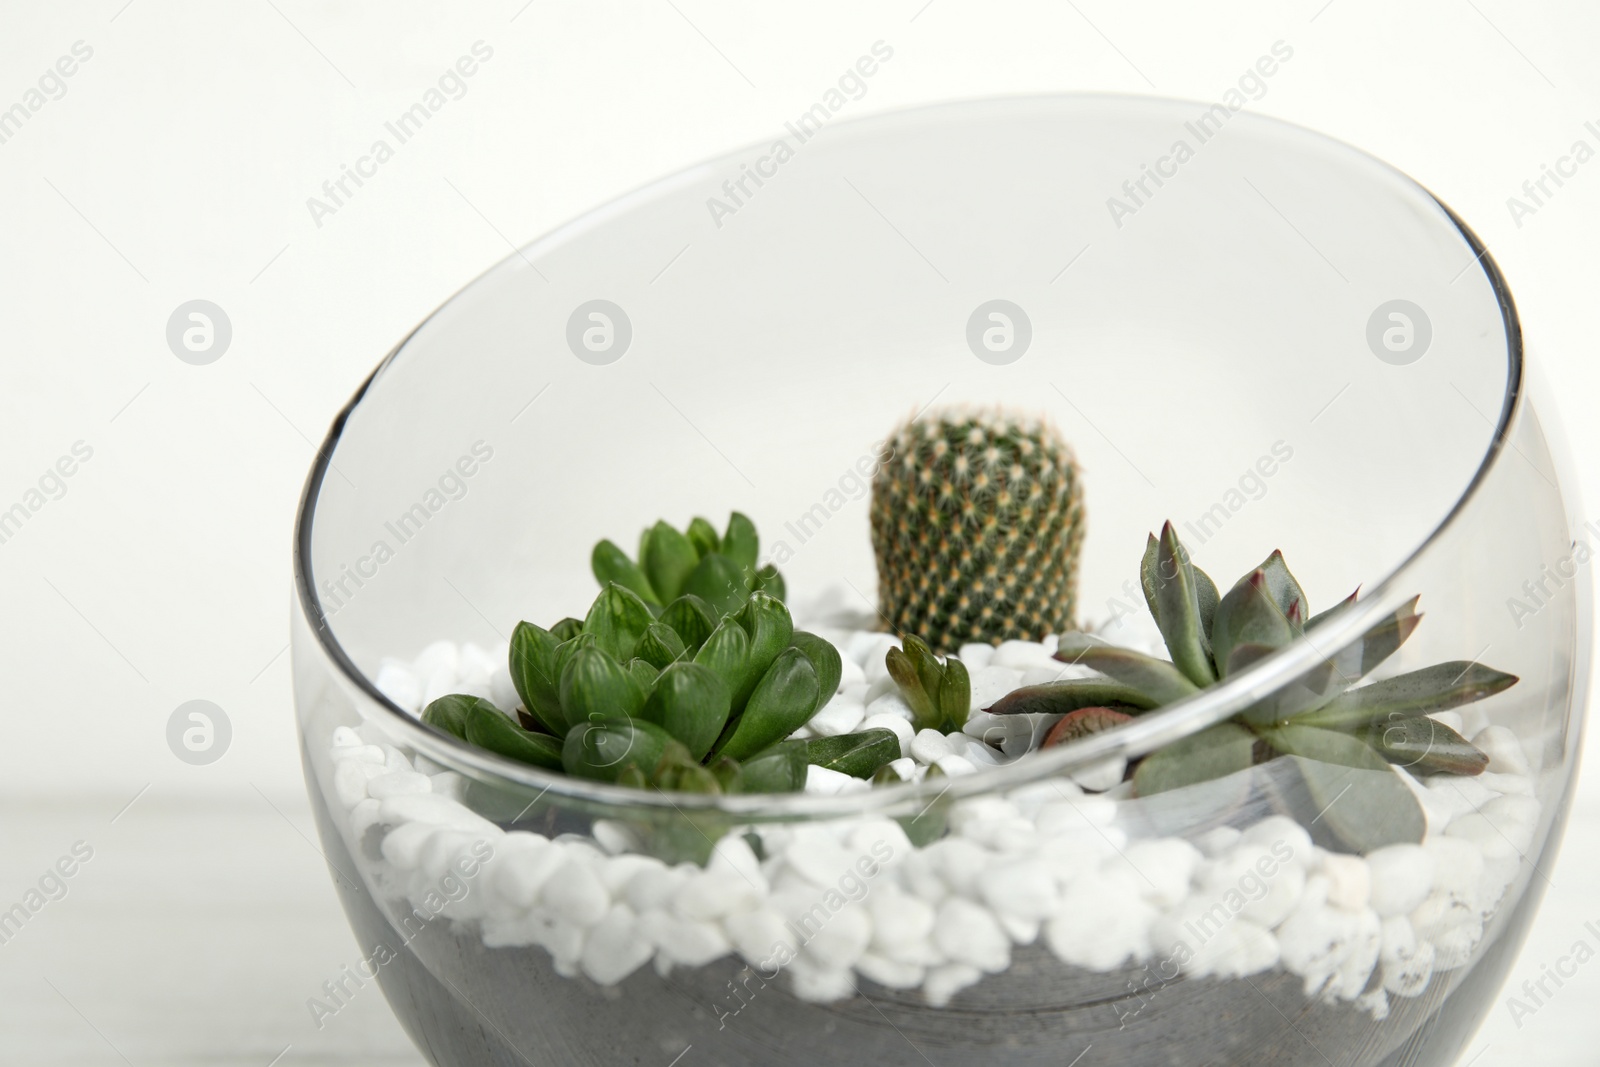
<point>1265,336</point>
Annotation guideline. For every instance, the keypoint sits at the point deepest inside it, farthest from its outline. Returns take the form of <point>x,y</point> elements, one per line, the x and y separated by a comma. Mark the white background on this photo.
<point>177,166</point>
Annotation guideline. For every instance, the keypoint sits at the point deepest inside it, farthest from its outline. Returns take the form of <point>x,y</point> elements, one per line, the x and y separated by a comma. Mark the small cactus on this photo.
<point>977,521</point>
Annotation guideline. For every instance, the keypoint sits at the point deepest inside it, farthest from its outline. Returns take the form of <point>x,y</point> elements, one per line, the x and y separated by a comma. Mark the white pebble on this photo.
<point>397,682</point>
<point>1407,963</point>
<point>1505,751</point>
<point>1165,866</point>
<point>967,933</point>
<point>891,974</point>
<point>895,725</point>
<point>928,746</point>
<point>653,887</point>
<point>1401,878</point>
<point>1349,881</point>
<point>1020,655</point>
<point>898,918</point>
<point>841,940</point>
<point>440,810</point>
<point>819,985</point>
<point>687,942</point>
<point>403,845</point>
<point>349,783</point>
<point>438,656</point>
<point>891,704</point>
<point>613,950</point>
<point>955,766</point>
<point>1023,889</point>
<point>905,767</point>
<point>989,684</point>
<point>1457,864</point>
<point>1100,776</point>
<point>1279,832</point>
<point>575,894</point>
<point>1216,841</point>
<point>1238,949</point>
<point>817,857</point>
<point>975,657</point>
<point>398,783</point>
<point>1102,922</point>
<point>826,782</point>
<point>760,936</point>
<point>945,981</point>
<point>838,716</point>
<point>1491,841</point>
<point>850,673</point>
<point>344,737</point>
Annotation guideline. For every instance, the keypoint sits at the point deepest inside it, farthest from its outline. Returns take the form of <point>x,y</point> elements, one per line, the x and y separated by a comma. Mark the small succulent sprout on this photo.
<point>718,581</point>
<point>594,686</point>
<point>766,623</point>
<point>567,629</point>
<point>1326,720</point>
<point>722,571</point>
<point>668,558</point>
<point>725,652</point>
<point>939,692</point>
<point>783,701</point>
<point>1083,722</point>
<point>825,661</point>
<point>703,536</point>
<point>489,728</point>
<point>691,619</point>
<point>535,676</point>
<point>602,750</point>
<point>691,702</point>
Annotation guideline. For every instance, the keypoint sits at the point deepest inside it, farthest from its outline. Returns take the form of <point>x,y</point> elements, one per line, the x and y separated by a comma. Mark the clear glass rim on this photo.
<point>1144,734</point>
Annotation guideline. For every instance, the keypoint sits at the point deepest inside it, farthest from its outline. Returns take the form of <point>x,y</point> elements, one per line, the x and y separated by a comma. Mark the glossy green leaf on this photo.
<point>1069,694</point>
<point>1157,679</point>
<point>449,713</point>
<point>600,750</point>
<point>691,702</point>
<point>660,645</point>
<point>766,622</point>
<point>643,672</point>
<point>691,619</point>
<point>566,629</point>
<point>725,652</point>
<point>703,536</point>
<point>1176,590</point>
<point>718,581</point>
<point>594,686</point>
<point>741,545</point>
<point>1422,692</point>
<point>858,755</point>
<point>535,676</point>
<point>903,671</point>
<point>617,619</point>
<point>955,694</point>
<point>783,701</point>
<point>1215,752</point>
<point>729,774</point>
<point>668,561</point>
<point>825,661</point>
<point>611,564</point>
<point>781,769</point>
<point>488,728</point>
<point>768,580</point>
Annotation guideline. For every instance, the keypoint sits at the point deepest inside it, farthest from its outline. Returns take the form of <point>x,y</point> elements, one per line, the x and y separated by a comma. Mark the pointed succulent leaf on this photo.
<point>691,619</point>
<point>1208,597</point>
<point>1082,723</point>
<point>729,774</point>
<point>1242,656</point>
<point>782,702</point>
<point>955,694</point>
<point>703,536</point>
<point>1329,746</point>
<point>1248,616</point>
<point>1178,597</point>
<point>725,652</point>
<point>535,676</point>
<point>1068,695</point>
<point>1147,576</point>
<point>611,564</point>
<point>659,646</point>
<point>618,618</point>
<point>566,629</point>
<point>858,755</point>
<point>601,750</point>
<point>1216,752</point>
<point>929,670</point>
<point>1157,679</point>
<point>674,761</point>
<point>824,660</point>
<point>906,679</point>
<point>449,713</point>
<point>1437,688</point>
<point>780,769</point>
<point>668,560</point>
<point>1364,808</point>
<point>767,623</point>
<point>632,777</point>
<point>768,580</point>
<point>697,779</point>
<point>594,686</point>
<point>741,544</point>
<point>1281,586</point>
<point>1322,616</point>
<point>1350,664</point>
<point>691,702</point>
<point>718,581</point>
<point>1423,746</point>
<point>489,728</point>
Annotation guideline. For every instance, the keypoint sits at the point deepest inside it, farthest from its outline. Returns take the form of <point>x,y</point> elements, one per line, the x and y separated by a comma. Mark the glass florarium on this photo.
<point>939,613</point>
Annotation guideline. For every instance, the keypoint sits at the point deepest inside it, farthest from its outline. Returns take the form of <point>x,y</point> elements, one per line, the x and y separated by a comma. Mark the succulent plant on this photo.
<point>674,695</point>
<point>721,571</point>
<point>1328,725</point>
<point>977,519</point>
<point>938,692</point>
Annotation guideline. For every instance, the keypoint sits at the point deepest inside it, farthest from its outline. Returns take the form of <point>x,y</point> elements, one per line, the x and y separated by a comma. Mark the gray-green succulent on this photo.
<point>1326,724</point>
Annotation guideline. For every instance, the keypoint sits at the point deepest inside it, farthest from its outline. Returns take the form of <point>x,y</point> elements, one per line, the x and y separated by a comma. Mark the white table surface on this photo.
<point>177,165</point>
